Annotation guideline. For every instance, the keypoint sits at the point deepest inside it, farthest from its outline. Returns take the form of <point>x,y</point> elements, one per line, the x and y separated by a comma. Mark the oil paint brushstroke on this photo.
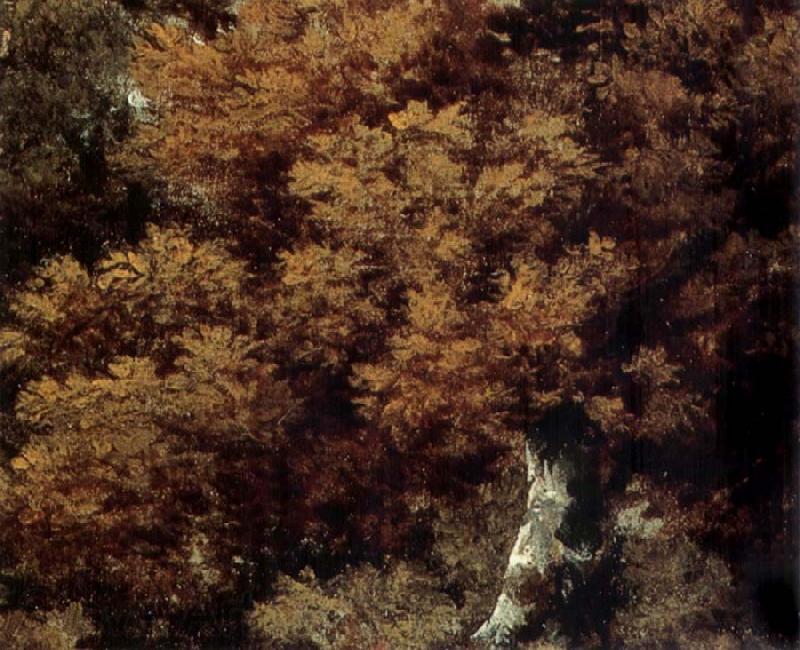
<point>399,324</point>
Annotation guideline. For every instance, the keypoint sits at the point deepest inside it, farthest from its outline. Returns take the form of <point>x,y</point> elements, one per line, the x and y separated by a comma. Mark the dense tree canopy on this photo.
<point>291,289</point>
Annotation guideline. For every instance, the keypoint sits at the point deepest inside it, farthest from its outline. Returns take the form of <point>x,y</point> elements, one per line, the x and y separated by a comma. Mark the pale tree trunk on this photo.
<point>536,552</point>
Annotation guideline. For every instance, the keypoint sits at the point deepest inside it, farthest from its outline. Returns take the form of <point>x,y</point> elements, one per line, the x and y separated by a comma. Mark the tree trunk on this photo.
<point>537,552</point>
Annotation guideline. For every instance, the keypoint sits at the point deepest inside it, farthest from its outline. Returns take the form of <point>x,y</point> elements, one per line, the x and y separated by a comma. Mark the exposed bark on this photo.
<point>537,551</point>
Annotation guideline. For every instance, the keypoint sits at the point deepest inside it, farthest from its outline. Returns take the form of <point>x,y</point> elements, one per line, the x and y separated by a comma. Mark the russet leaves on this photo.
<point>257,89</point>
<point>476,226</point>
<point>118,442</point>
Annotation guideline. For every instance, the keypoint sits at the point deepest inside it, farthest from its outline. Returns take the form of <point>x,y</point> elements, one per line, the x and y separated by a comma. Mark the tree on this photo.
<point>120,473</point>
<point>62,66</point>
<point>260,88</point>
<point>65,64</point>
<point>424,258</point>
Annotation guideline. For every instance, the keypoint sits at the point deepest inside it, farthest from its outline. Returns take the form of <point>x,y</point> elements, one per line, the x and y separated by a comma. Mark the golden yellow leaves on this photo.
<point>167,281</point>
<point>410,194</point>
<point>450,122</point>
<point>215,379</point>
<point>550,139</point>
<point>114,438</point>
<point>27,460</point>
<point>543,302</point>
<point>299,611</point>
<point>314,264</point>
<point>164,37</point>
<point>608,412</point>
<point>432,311</point>
<point>511,182</point>
<point>12,347</point>
<point>129,268</point>
<point>205,94</point>
<point>533,168</point>
<point>601,246</point>
<point>427,386</point>
<point>59,288</point>
<point>129,431</point>
<point>429,147</point>
<point>64,629</point>
<point>414,114</point>
<point>324,304</point>
<point>651,365</point>
<point>433,174</point>
<point>400,608</point>
<point>91,414</point>
<point>180,275</point>
<point>395,222</point>
<point>409,191</point>
<point>435,377</point>
<point>377,190</point>
<point>369,44</point>
<point>413,191</point>
<point>546,138</point>
<point>219,382</point>
<point>344,179</point>
<point>447,240</point>
<point>255,90</point>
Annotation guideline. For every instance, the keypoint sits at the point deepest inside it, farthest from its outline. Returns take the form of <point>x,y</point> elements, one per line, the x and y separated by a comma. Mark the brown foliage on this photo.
<point>473,207</point>
<point>64,629</point>
<point>121,444</point>
<point>257,89</point>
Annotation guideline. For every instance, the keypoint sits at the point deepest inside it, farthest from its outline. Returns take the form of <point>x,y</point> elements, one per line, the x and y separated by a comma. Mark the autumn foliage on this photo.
<point>386,241</point>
